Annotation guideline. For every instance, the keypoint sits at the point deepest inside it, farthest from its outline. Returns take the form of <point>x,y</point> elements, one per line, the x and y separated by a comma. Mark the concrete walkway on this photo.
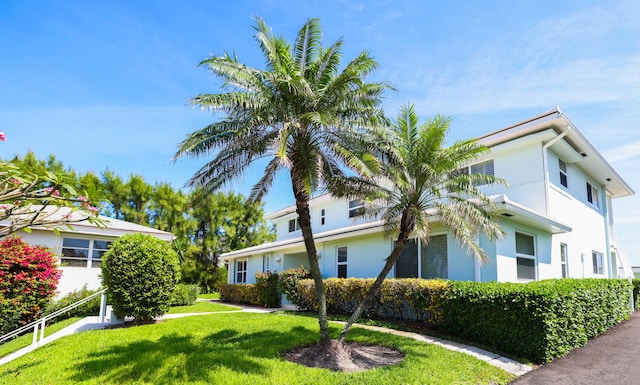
<point>92,323</point>
<point>611,358</point>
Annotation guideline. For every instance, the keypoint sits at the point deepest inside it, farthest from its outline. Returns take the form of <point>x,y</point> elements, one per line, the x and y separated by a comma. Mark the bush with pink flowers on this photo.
<point>29,277</point>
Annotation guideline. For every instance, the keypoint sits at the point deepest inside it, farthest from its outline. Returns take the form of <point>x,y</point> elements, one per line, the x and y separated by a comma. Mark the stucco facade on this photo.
<point>556,212</point>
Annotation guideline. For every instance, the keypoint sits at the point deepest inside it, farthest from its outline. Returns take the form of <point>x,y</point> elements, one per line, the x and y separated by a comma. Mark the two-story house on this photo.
<point>556,213</point>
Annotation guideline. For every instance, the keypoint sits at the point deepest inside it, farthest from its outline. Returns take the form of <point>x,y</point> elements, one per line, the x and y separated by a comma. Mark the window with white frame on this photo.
<point>356,208</point>
<point>294,225</point>
<point>525,256</point>
<point>598,267</point>
<point>592,195</point>
<point>78,252</point>
<point>483,168</point>
<point>322,217</point>
<point>266,263</point>
<point>562,167</point>
<point>342,261</point>
<point>564,260</point>
<point>241,271</point>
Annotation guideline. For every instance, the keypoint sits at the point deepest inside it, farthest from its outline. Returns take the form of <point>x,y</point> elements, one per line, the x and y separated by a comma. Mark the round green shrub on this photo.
<point>140,273</point>
<point>184,295</point>
<point>29,277</point>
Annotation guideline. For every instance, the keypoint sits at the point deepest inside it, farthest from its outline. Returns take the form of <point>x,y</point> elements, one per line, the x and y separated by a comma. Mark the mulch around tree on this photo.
<point>346,357</point>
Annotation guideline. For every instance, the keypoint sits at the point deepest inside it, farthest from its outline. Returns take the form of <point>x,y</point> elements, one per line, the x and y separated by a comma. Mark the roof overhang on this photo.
<point>518,213</point>
<point>575,147</point>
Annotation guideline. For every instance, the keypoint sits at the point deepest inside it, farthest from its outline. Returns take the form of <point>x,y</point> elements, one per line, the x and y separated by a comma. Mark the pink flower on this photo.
<point>3,137</point>
<point>52,191</point>
<point>93,209</point>
<point>15,181</point>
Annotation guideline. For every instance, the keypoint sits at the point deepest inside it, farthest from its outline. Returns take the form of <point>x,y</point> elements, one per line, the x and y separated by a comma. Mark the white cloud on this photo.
<point>623,152</point>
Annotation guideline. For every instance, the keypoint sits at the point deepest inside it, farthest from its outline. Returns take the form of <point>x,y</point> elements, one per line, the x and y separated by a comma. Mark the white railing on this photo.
<point>39,325</point>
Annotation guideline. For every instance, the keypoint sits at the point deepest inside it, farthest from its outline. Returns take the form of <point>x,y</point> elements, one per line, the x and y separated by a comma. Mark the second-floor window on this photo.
<point>294,225</point>
<point>356,208</point>
<point>322,217</point>
<point>562,166</point>
<point>592,195</point>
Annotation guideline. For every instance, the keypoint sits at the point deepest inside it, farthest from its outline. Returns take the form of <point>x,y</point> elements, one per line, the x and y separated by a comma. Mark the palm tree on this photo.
<point>423,180</point>
<point>301,112</point>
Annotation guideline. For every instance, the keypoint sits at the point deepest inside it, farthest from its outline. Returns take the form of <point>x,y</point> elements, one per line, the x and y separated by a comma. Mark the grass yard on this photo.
<point>234,348</point>
<point>26,339</point>
<point>202,307</point>
<point>209,296</point>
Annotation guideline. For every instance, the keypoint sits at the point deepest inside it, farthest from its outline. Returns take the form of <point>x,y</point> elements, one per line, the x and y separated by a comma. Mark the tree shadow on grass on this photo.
<point>184,358</point>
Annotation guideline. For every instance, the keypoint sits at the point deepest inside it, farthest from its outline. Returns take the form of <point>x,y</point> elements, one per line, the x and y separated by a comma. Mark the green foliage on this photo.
<point>184,295</point>
<point>540,320</point>
<point>268,292</point>
<point>140,273</point>
<point>90,308</point>
<point>288,284</point>
<point>239,293</point>
<point>636,292</point>
<point>400,299</point>
<point>29,277</point>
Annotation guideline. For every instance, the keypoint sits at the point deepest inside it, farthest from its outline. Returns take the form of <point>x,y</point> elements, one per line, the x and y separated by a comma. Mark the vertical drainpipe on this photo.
<point>545,165</point>
<point>605,214</point>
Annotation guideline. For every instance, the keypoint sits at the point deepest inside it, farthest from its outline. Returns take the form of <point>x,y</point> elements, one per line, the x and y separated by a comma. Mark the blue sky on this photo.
<point>107,83</point>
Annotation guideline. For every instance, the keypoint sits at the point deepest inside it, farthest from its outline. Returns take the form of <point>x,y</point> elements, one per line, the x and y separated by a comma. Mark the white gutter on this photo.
<point>545,165</point>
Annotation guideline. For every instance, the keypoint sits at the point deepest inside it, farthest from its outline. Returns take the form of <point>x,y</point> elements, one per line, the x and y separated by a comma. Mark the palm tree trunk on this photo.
<point>390,261</point>
<point>304,219</point>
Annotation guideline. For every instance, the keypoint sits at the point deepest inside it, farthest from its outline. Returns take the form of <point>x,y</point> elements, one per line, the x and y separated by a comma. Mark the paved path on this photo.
<point>90,323</point>
<point>611,359</point>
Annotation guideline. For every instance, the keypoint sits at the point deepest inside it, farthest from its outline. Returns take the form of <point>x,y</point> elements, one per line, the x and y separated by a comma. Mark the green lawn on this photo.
<point>233,348</point>
<point>209,296</point>
<point>26,339</point>
<point>202,307</point>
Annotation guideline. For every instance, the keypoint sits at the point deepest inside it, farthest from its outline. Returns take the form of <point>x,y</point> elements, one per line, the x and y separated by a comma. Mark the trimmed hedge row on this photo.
<point>264,292</point>
<point>539,320</point>
<point>400,299</point>
<point>636,292</point>
<point>239,293</point>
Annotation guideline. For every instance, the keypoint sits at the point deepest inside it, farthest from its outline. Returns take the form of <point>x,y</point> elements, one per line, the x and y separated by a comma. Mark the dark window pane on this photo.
<point>96,263</point>
<point>70,262</point>
<point>563,180</point>
<point>102,245</point>
<point>526,268</point>
<point>342,254</point>
<point>407,264</point>
<point>342,271</point>
<point>434,258</point>
<point>77,253</point>
<point>524,244</point>
<point>72,242</point>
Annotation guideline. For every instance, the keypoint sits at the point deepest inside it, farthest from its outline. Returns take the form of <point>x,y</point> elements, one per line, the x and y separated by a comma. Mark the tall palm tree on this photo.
<point>419,179</point>
<point>302,113</point>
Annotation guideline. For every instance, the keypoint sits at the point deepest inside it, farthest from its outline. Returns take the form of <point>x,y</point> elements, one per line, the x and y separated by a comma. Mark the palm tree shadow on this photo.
<point>177,357</point>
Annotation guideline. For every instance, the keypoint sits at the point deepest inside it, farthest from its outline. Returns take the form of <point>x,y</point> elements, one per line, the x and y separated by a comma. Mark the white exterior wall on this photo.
<point>365,256</point>
<point>72,278</point>
<point>507,269</point>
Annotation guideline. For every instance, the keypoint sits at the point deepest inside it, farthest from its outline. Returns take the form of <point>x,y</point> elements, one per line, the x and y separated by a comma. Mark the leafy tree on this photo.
<point>422,181</point>
<point>117,193</point>
<point>139,195</point>
<point>169,210</point>
<point>302,113</point>
<point>140,272</point>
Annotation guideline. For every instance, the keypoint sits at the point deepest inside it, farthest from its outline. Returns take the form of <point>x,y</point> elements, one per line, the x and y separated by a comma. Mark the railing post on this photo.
<point>44,320</point>
<point>35,333</point>
<point>103,306</point>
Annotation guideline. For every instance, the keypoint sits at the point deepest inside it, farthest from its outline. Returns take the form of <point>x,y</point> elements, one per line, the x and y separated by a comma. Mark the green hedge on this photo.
<point>184,295</point>
<point>239,293</point>
<point>636,292</point>
<point>400,299</point>
<point>540,320</point>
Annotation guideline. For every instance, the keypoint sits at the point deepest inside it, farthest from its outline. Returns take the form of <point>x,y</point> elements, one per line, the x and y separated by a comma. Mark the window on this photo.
<point>426,261</point>
<point>598,267</point>
<point>562,166</point>
<point>83,252</point>
<point>525,256</point>
<point>563,260</point>
<point>322,217</point>
<point>241,271</point>
<point>266,261</point>
<point>592,195</point>
<point>342,261</point>
<point>485,168</point>
<point>294,225</point>
<point>356,208</point>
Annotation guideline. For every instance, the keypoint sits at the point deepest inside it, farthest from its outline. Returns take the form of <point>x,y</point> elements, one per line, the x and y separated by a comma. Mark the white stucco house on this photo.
<point>80,249</point>
<point>557,215</point>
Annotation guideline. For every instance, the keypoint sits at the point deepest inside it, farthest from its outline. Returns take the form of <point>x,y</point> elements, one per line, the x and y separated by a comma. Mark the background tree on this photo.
<point>138,196</point>
<point>301,112</point>
<point>420,179</point>
<point>117,193</point>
